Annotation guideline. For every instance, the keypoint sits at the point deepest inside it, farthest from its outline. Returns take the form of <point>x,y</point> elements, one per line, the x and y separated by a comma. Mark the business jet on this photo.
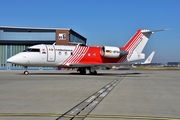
<point>83,57</point>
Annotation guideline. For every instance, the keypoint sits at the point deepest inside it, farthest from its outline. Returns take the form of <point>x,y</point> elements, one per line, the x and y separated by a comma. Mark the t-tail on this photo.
<point>136,44</point>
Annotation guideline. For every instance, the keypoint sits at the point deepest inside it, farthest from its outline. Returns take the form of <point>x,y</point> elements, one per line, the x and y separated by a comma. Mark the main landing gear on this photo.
<point>82,70</point>
<point>92,71</point>
<point>26,72</point>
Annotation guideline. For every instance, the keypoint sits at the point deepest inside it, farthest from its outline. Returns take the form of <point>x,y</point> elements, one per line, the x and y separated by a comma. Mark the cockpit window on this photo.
<point>32,50</point>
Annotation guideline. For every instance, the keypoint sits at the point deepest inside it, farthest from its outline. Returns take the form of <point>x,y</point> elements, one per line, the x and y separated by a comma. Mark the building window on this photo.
<point>75,39</point>
<point>21,36</point>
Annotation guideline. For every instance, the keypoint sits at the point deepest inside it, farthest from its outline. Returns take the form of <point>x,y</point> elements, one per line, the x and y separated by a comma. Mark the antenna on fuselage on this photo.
<point>54,43</point>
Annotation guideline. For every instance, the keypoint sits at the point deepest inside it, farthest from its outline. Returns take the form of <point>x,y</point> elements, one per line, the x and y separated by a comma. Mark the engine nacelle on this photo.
<point>112,52</point>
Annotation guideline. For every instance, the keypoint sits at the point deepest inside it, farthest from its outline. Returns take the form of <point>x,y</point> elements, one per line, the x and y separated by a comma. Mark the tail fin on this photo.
<point>149,59</point>
<point>137,43</point>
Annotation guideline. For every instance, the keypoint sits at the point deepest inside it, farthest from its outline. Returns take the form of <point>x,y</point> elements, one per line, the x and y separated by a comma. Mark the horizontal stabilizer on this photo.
<point>152,31</point>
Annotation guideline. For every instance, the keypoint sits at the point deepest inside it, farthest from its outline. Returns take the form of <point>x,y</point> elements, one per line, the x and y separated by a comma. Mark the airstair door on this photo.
<point>51,53</point>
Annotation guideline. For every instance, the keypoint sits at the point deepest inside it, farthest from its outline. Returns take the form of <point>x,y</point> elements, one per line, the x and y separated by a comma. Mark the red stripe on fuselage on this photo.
<point>77,55</point>
<point>69,58</point>
<point>93,57</point>
<point>83,52</point>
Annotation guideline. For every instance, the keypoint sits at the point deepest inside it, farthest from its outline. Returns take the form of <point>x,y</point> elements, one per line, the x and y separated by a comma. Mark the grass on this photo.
<point>156,68</point>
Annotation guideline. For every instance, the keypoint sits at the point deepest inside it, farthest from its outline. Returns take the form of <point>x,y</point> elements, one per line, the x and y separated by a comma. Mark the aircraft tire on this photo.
<point>93,73</point>
<point>83,72</point>
<point>26,73</point>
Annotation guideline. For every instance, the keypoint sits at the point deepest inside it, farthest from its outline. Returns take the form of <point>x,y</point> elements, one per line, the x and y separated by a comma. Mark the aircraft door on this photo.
<point>51,53</point>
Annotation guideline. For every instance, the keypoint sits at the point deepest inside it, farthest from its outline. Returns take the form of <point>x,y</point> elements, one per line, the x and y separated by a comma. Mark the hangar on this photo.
<point>16,39</point>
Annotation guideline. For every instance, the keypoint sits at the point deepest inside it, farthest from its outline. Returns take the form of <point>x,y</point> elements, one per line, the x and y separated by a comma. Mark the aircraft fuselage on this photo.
<point>58,55</point>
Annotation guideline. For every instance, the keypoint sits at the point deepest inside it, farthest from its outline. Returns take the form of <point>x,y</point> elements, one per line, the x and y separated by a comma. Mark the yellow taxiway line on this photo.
<point>88,116</point>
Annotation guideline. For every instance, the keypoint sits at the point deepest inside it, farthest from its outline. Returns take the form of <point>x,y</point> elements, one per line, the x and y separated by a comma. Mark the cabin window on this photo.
<point>65,53</point>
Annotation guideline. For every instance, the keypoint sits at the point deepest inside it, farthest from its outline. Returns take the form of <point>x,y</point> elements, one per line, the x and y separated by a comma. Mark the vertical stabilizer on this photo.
<point>149,59</point>
<point>137,43</point>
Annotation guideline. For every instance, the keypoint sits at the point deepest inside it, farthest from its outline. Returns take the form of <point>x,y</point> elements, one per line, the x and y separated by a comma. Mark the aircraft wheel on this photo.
<point>82,70</point>
<point>93,73</point>
<point>26,73</point>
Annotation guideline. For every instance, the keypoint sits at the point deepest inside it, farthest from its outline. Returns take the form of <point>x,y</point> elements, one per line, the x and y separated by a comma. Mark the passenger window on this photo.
<point>65,53</point>
<point>59,53</point>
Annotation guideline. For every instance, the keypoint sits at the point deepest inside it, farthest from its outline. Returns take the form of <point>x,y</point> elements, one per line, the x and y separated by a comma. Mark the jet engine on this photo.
<point>112,52</point>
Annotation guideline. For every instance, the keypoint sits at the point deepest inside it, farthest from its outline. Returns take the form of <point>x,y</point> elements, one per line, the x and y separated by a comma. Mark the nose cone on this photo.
<point>10,60</point>
<point>18,59</point>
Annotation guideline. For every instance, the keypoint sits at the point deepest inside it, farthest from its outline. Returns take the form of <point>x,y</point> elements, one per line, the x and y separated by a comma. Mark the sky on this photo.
<point>103,22</point>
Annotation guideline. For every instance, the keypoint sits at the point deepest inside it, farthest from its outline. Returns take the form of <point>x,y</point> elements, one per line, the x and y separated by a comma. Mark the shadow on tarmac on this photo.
<point>128,74</point>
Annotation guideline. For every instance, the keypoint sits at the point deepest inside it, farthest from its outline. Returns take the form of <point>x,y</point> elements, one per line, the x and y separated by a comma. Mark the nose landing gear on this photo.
<point>26,72</point>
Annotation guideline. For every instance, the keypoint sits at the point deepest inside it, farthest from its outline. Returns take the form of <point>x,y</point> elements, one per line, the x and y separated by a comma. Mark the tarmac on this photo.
<point>48,95</point>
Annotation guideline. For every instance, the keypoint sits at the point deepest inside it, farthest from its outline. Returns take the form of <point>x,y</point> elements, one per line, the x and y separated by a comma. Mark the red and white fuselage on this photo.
<point>64,56</point>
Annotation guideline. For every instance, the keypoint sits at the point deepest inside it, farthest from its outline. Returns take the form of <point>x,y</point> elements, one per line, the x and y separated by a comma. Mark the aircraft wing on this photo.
<point>98,65</point>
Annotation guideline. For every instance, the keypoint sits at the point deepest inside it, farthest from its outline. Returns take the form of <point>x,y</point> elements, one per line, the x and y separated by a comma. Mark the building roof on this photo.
<point>34,28</point>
